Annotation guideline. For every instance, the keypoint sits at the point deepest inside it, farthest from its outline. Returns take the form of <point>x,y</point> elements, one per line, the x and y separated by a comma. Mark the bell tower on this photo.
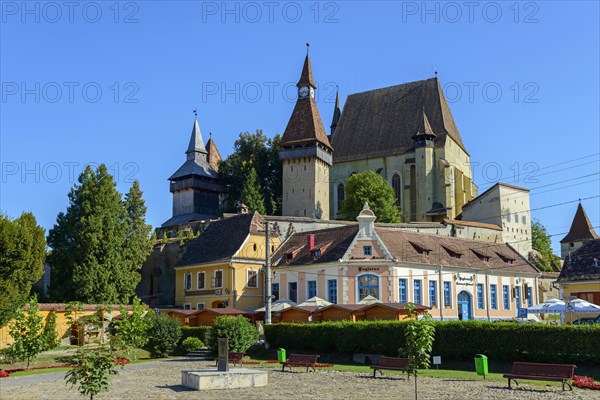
<point>306,155</point>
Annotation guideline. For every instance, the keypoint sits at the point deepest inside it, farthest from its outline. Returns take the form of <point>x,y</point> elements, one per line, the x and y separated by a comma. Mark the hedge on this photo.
<point>199,332</point>
<point>455,340</point>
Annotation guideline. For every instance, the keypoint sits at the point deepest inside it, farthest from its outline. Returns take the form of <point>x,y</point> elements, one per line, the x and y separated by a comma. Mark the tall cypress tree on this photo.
<point>96,244</point>
<point>252,193</point>
<point>138,242</point>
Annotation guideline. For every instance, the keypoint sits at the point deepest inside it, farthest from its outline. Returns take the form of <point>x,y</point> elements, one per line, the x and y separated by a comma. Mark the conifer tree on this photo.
<point>22,252</point>
<point>99,244</point>
<point>252,194</point>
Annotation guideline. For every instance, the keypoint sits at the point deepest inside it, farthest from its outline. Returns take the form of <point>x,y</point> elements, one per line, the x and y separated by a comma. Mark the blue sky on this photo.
<point>99,83</point>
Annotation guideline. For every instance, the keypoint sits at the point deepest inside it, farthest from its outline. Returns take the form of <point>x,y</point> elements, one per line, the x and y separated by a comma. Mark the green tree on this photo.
<point>419,336</point>
<point>239,330</point>
<point>50,334</point>
<point>100,243</point>
<point>92,371</point>
<point>22,252</point>
<point>132,330</point>
<point>540,241</point>
<point>370,187</point>
<point>251,193</point>
<point>254,150</point>
<point>27,330</point>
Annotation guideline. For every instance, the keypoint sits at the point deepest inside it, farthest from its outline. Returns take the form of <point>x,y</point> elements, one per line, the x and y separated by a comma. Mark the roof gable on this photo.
<point>221,240</point>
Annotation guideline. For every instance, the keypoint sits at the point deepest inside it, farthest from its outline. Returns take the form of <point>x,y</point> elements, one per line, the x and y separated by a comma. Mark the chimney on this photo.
<point>310,243</point>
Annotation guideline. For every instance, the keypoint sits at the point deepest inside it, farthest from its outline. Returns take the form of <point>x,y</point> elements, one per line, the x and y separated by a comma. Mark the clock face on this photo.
<point>303,91</point>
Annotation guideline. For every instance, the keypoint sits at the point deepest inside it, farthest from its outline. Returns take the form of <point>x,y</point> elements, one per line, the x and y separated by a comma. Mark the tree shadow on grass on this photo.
<point>176,388</point>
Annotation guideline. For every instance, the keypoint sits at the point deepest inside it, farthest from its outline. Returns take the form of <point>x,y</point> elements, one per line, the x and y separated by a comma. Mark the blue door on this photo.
<point>464,306</point>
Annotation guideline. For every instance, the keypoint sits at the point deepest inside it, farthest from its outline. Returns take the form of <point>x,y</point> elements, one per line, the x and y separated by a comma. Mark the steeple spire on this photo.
<point>337,112</point>
<point>306,78</point>
<point>581,228</point>
<point>196,145</point>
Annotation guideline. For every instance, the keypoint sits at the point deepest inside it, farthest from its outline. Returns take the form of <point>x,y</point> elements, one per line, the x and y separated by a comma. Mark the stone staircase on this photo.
<point>201,354</point>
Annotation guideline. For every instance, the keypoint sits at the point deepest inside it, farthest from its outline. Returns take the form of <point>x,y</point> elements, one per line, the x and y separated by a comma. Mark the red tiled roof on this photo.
<point>581,228</point>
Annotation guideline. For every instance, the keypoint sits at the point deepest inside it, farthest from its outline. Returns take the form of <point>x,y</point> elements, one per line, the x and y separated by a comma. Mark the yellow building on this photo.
<point>63,325</point>
<point>223,268</point>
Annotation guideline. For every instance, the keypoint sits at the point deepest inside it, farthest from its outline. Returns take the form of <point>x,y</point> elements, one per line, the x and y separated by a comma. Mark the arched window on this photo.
<point>368,285</point>
<point>397,186</point>
<point>340,196</point>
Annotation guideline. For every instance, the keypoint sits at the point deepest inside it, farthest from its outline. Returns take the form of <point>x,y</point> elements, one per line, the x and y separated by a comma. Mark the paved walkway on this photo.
<point>162,380</point>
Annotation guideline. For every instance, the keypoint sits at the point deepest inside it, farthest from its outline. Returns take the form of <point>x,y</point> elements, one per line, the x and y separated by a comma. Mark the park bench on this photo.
<point>300,360</point>
<point>542,372</point>
<point>391,364</point>
<point>233,358</point>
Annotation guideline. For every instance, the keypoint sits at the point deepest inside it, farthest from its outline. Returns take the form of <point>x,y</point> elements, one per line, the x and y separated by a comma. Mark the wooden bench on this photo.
<point>301,360</point>
<point>233,358</point>
<point>542,372</point>
<point>391,364</point>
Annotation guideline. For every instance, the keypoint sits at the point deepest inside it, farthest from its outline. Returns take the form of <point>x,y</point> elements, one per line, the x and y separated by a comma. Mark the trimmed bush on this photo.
<point>191,344</point>
<point>200,332</point>
<point>239,330</point>
<point>163,335</point>
<point>454,340</point>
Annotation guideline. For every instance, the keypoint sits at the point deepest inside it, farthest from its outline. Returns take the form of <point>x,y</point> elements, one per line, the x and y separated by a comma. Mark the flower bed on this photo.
<point>121,361</point>
<point>5,373</point>
<point>585,382</point>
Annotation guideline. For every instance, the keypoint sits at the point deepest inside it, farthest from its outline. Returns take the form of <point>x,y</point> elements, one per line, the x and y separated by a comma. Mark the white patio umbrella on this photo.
<point>579,306</point>
<point>552,306</point>
<point>278,305</point>
<point>556,306</point>
<point>369,300</point>
<point>315,301</point>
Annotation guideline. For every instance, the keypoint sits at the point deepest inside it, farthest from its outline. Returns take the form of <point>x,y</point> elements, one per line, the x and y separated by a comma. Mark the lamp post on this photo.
<point>267,277</point>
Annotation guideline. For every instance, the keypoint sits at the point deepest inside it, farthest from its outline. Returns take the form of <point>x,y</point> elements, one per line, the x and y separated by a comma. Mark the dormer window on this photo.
<point>425,252</point>
<point>452,253</point>
<point>317,253</point>
<point>367,250</point>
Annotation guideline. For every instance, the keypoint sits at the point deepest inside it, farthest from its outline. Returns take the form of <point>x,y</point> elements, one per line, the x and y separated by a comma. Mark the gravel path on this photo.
<point>162,380</point>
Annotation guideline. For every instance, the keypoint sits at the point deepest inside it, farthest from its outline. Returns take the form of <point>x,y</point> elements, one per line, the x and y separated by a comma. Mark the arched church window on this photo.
<point>340,196</point>
<point>397,186</point>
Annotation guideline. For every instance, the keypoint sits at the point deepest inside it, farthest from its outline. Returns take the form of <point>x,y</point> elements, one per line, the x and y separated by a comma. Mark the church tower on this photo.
<point>196,185</point>
<point>306,155</point>
<point>580,233</point>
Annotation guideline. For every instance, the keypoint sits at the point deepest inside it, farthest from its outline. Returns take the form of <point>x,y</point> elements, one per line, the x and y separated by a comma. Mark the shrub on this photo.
<point>163,335</point>
<point>93,371</point>
<point>455,340</point>
<point>191,344</point>
<point>200,332</point>
<point>240,332</point>
<point>131,331</point>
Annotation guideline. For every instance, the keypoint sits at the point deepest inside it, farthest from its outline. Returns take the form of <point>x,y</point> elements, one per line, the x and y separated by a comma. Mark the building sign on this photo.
<point>465,280</point>
<point>367,269</point>
<point>207,292</point>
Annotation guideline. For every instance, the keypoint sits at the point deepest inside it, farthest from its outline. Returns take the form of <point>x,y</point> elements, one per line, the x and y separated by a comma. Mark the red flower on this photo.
<point>121,361</point>
<point>4,374</point>
<point>585,382</point>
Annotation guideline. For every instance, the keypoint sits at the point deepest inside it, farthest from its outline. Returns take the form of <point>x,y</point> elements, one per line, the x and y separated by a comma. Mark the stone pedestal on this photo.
<point>233,379</point>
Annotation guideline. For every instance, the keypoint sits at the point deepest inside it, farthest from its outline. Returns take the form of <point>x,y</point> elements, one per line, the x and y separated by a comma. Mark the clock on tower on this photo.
<point>303,92</point>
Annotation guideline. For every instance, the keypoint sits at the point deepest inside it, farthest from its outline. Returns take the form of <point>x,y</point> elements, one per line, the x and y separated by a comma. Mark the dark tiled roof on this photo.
<point>332,242</point>
<point>214,157</point>
<point>345,307</point>
<point>222,239</point>
<point>305,125</point>
<point>581,265</point>
<point>306,77</point>
<point>399,244</point>
<point>305,309</point>
<point>223,311</point>
<point>383,122</point>
<point>581,228</point>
